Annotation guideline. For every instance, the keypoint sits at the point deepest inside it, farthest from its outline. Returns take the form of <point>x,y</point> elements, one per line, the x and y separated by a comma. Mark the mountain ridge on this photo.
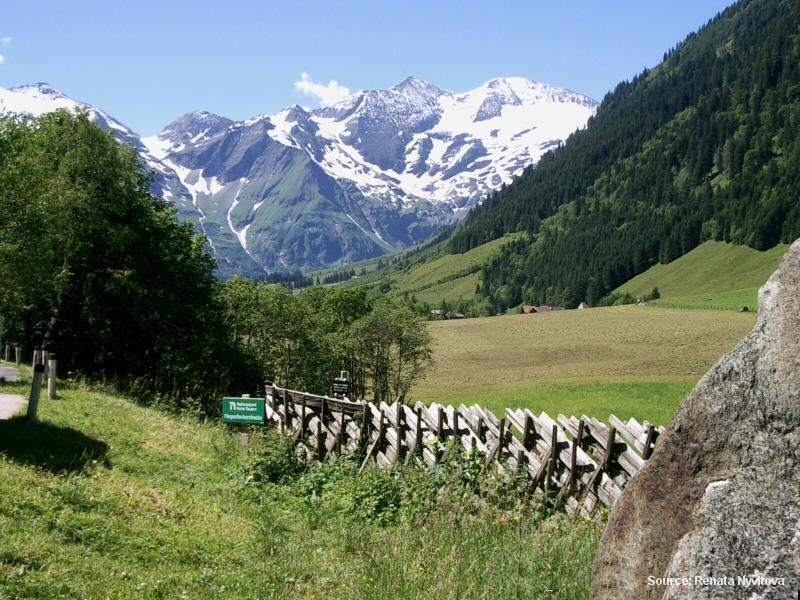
<point>378,171</point>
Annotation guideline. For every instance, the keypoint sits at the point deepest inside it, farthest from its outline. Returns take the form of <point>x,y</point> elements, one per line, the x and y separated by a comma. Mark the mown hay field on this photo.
<point>632,361</point>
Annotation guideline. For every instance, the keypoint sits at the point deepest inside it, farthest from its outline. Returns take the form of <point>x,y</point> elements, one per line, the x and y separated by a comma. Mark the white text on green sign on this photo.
<point>243,410</point>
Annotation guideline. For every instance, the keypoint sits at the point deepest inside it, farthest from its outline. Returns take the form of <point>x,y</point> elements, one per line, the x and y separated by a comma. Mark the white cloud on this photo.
<point>326,93</point>
<point>5,41</point>
<point>2,59</point>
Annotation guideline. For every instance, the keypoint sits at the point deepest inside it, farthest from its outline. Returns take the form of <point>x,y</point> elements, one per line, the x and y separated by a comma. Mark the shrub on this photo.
<point>275,460</point>
<point>374,494</point>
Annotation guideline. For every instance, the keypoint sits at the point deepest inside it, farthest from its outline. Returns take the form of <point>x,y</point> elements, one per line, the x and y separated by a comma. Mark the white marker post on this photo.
<point>51,377</point>
<point>36,386</point>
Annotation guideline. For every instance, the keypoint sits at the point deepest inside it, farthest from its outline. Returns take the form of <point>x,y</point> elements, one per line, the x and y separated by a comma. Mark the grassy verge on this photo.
<point>106,499</point>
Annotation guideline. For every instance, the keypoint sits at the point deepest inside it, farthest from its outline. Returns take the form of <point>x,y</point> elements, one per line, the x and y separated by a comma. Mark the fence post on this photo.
<point>501,441</point>
<point>51,377</point>
<point>530,432</point>
<point>17,355</point>
<point>33,399</point>
<point>320,442</point>
<point>418,433</point>
<point>303,418</point>
<point>612,436</point>
<point>382,432</point>
<point>8,352</point>
<point>553,458</point>
<point>399,430</point>
<point>648,442</point>
<point>363,442</point>
<point>286,423</point>
<point>340,435</point>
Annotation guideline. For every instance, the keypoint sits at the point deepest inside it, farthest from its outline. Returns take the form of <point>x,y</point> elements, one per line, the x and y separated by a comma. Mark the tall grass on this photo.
<point>106,499</point>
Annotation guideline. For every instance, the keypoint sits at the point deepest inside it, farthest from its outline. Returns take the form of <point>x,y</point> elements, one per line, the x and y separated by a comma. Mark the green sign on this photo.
<point>243,410</point>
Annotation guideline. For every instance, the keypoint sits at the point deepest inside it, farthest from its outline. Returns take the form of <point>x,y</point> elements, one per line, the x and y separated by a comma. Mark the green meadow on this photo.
<point>432,275</point>
<point>714,275</point>
<point>631,361</point>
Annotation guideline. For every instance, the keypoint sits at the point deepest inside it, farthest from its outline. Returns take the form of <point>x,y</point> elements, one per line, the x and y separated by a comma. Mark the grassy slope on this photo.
<point>442,276</point>
<point>626,360</point>
<point>422,279</point>
<point>713,275</point>
<point>111,500</point>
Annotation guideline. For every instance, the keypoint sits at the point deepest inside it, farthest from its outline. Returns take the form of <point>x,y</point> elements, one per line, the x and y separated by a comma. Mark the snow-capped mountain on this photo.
<point>40,98</point>
<point>30,101</point>
<point>415,141</point>
<point>375,172</point>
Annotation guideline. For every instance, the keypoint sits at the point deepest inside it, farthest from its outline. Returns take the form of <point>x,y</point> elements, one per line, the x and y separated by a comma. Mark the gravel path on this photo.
<point>9,373</point>
<point>10,404</point>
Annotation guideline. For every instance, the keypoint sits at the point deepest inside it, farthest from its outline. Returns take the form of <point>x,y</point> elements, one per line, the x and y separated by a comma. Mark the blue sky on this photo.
<point>147,62</point>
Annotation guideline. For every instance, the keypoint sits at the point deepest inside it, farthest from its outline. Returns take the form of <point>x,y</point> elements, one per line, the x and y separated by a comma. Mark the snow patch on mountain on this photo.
<point>376,171</point>
<point>443,147</point>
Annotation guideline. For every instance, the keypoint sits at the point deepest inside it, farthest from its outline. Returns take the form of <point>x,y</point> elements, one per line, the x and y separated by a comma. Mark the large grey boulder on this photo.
<point>720,496</point>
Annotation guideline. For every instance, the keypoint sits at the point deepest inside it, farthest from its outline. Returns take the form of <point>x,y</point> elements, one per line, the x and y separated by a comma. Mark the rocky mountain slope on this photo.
<point>375,172</point>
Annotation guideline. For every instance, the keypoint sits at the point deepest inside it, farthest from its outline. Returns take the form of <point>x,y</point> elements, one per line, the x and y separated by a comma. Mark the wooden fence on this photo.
<point>577,462</point>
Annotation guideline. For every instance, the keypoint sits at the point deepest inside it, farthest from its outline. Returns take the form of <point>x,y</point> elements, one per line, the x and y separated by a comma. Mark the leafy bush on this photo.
<point>374,494</point>
<point>276,460</point>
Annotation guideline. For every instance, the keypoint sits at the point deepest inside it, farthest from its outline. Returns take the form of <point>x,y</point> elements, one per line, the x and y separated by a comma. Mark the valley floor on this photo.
<point>628,360</point>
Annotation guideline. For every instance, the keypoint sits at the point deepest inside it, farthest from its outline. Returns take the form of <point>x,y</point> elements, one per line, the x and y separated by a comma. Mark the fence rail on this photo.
<point>579,462</point>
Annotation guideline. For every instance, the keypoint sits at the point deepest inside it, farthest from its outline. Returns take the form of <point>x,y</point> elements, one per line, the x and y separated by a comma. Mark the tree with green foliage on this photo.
<point>99,271</point>
<point>393,346</point>
<point>301,341</point>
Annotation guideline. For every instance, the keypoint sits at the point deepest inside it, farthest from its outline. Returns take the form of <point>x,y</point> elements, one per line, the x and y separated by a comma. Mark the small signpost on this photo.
<point>243,410</point>
<point>340,387</point>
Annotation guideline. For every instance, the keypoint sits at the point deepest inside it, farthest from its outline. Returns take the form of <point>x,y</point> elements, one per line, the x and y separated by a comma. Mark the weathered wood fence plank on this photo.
<point>577,463</point>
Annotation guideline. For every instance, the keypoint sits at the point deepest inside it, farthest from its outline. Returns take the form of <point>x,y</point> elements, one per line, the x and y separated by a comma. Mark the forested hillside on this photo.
<point>704,146</point>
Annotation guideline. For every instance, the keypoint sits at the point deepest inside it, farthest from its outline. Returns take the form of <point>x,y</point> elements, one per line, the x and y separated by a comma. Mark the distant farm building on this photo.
<point>529,309</point>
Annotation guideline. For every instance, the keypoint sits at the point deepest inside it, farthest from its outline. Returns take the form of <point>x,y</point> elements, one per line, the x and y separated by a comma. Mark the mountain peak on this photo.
<point>192,128</point>
<point>514,85</point>
<point>197,119</point>
<point>416,85</point>
<point>204,114</point>
<point>41,87</point>
<point>411,81</point>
